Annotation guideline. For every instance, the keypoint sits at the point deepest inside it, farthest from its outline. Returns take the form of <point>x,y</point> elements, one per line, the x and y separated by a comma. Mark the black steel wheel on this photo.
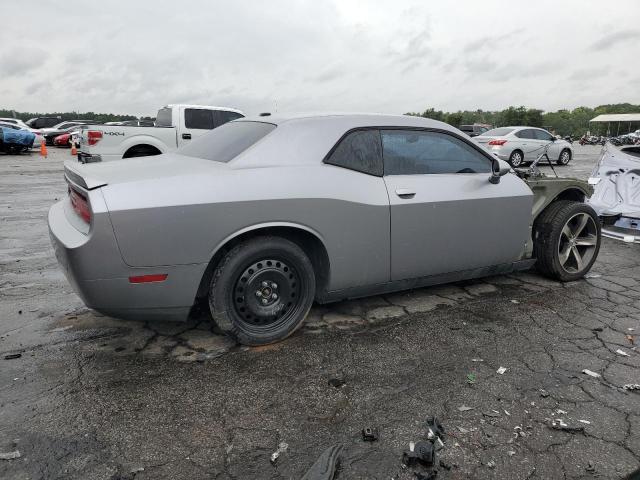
<point>567,240</point>
<point>262,290</point>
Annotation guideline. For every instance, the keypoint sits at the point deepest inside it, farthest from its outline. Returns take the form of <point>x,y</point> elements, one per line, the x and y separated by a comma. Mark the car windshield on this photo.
<point>228,141</point>
<point>498,132</point>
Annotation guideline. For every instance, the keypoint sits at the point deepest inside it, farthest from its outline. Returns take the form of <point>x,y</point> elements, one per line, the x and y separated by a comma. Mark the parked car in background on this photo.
<point>43,122</point>
<point>65,139</point>
<point>520,145</point>
<point>15,139</point>
<point>15,121</point>
<point>60,129</point>
<point>38,136</point>
<point>475,129</point>
<point>261,216</point>
<point>175,125</point>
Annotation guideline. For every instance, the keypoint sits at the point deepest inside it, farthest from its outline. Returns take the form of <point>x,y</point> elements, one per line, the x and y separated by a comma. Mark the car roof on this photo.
<point>351,120</point>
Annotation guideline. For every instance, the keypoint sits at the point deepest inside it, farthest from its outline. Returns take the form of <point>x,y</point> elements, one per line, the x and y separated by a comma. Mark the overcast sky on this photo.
<point>301,55</point>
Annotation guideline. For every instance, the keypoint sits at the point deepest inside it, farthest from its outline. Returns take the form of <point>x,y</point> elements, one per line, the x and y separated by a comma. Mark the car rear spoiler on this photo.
<point>82,180</point>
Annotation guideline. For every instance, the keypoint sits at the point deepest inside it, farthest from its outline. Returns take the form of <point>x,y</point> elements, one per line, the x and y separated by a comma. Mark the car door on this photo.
<point>445,214</point>
<point>544,138</point>
<point>527,143</point>
<point>193,123</point>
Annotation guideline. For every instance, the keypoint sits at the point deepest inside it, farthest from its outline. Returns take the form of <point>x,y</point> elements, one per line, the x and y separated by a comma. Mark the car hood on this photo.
<point>616,180</point>
<point>139,169</point>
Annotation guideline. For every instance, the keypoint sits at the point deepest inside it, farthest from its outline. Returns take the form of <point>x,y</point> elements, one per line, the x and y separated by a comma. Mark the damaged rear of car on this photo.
<point>616,197</point>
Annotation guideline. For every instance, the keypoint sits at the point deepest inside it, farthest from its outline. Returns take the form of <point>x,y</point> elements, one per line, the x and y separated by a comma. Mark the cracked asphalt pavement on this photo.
<point>91,397</point>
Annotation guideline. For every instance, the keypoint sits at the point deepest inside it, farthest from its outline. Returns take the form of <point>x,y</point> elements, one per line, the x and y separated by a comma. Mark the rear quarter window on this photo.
<point>226,142</point>
<point>163,119</point>
<point>361,151</point>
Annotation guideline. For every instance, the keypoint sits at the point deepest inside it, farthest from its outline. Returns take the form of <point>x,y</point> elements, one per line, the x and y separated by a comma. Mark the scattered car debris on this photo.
<point>507,413</point>
<point>544,393</point>
<point>419,452</point>
<point>435,431</point>
<point>492,414</point>
<point>622,352</point>
<point>590,467</point>
<point>325,466</point>
<point>337,382</point>
<point>560,412</point>
<point>591,374</point>
<point>477,360</point>
<point>491,464</point>
<point>632,387</point>
<point>282,447</point>
<point>597,329</point>
<point>559,424</point>
<point>462,429</point>
<point>12,356</point>
<point>501,371</point>
<point>511,453</point>
<point>471,378</point>
<point>369,434</point>
<point>518,431</point>
<point>592,275</point>
<point>586,422</point>
<point>515,301</point>
<point>464,408</point>
<point>631,339</point>
<point>10,455</point>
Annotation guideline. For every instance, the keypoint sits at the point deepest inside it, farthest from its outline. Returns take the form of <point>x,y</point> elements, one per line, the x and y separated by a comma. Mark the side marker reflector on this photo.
<point>158,277</point>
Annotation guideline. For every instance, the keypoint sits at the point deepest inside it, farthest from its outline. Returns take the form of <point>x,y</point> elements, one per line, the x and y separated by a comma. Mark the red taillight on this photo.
<point>94,136</point>
<point>158,277</point>
<point>80,205</point>
<point>497,142</point>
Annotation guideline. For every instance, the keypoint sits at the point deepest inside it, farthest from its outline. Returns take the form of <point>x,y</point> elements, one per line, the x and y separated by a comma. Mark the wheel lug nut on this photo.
<point>274,296</point>
<point>265,284</point>
<point>274,285</point>
<point>258,293</point>
<point>264,301</point>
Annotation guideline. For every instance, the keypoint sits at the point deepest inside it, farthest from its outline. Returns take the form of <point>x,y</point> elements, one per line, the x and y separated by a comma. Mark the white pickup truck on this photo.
<point>175,126</point>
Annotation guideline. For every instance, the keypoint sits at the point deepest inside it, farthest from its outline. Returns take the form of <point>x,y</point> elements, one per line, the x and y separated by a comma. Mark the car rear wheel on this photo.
<point>262,290</point>
<point>516,159</point>
<point>565,157</point>
<point>566,240</point>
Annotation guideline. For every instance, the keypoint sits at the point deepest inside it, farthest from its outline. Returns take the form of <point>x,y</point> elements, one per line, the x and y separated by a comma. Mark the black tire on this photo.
<point>241,294</point>
<point>565,157</point>
<point>516,159</point>
<point>557,250</point>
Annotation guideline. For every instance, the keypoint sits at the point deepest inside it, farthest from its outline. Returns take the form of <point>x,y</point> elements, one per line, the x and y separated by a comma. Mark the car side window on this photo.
<point>412,152</point>
<point>526,133</point>
<point>360,151</point>
<point>198,118</point>
<point>542,135</point>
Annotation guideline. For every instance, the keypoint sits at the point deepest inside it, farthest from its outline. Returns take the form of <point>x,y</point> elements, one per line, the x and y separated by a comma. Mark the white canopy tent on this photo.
<point>618,118</point>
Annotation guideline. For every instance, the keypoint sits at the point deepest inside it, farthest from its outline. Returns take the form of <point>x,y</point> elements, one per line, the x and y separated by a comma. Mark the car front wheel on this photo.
<point>566,240</point>
<point>565,157</point>
<point>262,290</point>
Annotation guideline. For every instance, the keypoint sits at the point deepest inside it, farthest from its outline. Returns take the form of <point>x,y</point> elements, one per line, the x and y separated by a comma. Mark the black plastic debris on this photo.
<point>326,465</point>
<point>435,428</point>
<point>421,452</point>
<point>337,382</point>
<point>369,434</point>
<point>426,476</point>
<point>12,356</point>
<point>559,424</point>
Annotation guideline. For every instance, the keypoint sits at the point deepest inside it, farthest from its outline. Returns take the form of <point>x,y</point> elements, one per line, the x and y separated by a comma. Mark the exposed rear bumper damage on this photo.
<point>616,197</point>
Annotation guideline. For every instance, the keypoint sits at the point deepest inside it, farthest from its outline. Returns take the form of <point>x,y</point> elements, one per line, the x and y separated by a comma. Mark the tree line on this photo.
<point>64,116</point>
<point>563,122</point>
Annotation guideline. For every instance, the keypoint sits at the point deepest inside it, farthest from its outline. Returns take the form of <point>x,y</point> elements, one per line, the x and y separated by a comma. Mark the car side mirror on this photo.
<point>553,139</point>
<point>499,169</point>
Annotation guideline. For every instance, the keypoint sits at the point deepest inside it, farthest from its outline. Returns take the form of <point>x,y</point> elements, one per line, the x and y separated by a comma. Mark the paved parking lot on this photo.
<point>94,397</point>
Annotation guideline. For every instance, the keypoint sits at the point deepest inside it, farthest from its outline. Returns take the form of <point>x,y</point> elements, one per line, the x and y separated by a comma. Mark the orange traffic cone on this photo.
<point>43,149</point>
<point>74,150</point>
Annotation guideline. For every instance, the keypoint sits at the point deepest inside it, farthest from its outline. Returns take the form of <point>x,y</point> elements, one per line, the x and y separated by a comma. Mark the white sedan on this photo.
<point>519,145</point>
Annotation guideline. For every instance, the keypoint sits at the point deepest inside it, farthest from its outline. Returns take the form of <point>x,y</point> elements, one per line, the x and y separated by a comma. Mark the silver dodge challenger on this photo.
<point>262,216</point>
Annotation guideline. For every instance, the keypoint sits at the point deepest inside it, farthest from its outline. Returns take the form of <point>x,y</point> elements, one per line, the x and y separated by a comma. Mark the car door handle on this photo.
<point>405,193</point>
<point>186,136</point>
